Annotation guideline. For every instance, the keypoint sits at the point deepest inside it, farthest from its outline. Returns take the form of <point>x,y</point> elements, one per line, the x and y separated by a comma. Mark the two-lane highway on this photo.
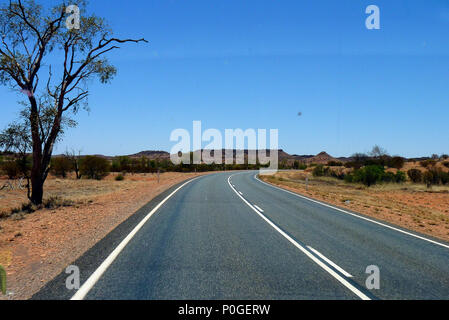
<point>232,236</point>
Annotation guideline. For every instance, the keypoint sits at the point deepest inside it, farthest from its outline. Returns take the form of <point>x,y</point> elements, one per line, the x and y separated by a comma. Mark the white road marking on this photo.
<point>92,280</point>
<point>338,277</point>
<point>356,215</point>
<point>258,208</point>
<point>241,193</point>
<point>346,274</point>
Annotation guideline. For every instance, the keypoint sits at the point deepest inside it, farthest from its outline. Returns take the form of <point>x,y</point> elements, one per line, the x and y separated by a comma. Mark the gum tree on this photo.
<point>49,57</point>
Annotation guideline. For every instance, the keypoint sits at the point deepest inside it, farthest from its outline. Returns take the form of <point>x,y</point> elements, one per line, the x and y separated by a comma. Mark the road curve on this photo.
<point>231,236</point>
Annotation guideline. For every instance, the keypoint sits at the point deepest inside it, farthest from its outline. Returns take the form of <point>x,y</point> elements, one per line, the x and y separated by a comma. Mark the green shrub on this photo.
<point>396,162</point>
<point>415,175</point>
<point>369,175</point>
<point>11,169</point>
<point>400,177</point>
<point>428,178</point>
<point>434,177</point>
<point>298,165</point>
<point>444,177</point>
<point>94,167</point>
<point>318,171</point>
<point>349,178</point>
<point>119,178</point>
<point>61,166</point>
<point>389,177</point>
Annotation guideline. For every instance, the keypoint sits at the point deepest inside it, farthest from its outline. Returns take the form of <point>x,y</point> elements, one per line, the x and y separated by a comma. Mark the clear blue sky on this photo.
<point>256,64</point>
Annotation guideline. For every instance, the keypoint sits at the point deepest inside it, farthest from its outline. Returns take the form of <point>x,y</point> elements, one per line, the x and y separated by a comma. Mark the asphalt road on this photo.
<point>231,236</point>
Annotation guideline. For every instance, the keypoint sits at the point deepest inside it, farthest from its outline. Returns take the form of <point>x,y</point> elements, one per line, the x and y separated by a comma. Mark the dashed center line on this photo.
<point>306,251</point>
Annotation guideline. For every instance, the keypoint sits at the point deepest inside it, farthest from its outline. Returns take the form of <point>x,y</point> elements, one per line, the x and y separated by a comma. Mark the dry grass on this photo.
<point>412,206</point>
<point>77,191</point>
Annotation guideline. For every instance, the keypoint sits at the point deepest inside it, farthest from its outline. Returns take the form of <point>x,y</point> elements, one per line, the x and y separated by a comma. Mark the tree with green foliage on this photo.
<point>29,35</point>
<point>396,162</point>
<point>296,165</point>
<point>428,178</point>
<point>415,175</point>
<point>11,169</point>
<point>15,138</point>
<point>61,166</point>
<point>94,167</point>
<point>334,163</point>
<point>435,176</point>
<point>369,175</point>
<point>444,177</point>
<point>400,177</point>
<point>318,171</point>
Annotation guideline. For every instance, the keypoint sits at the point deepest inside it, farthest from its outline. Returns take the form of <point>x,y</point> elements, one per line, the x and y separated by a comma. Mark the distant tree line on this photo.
<point>96,167</point>
<point>368,169</point>
<point>126,164</point>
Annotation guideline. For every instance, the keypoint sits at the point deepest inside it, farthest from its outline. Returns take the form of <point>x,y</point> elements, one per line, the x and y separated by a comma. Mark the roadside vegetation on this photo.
<point>374,168</point>
<point>408,204</point>
<point>378,167</point>
<point>413,193</point>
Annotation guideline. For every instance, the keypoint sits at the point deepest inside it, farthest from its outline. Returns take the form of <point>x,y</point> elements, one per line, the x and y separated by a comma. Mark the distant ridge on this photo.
<point>321,158</point>
<point>152,154</point>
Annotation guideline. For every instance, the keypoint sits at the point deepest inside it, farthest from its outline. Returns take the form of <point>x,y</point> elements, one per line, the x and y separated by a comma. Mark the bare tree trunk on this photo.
<point>41,158</point>
<point>37,183</point>
<point>37,190</point>
<point>77,170</point>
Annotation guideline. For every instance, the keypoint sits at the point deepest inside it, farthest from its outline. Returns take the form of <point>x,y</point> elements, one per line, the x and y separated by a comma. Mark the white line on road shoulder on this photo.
<point>346,274</point>
<point>94,277</point>
<point>338,277</point>
<point>355,215</point>
<point>258,208</point>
